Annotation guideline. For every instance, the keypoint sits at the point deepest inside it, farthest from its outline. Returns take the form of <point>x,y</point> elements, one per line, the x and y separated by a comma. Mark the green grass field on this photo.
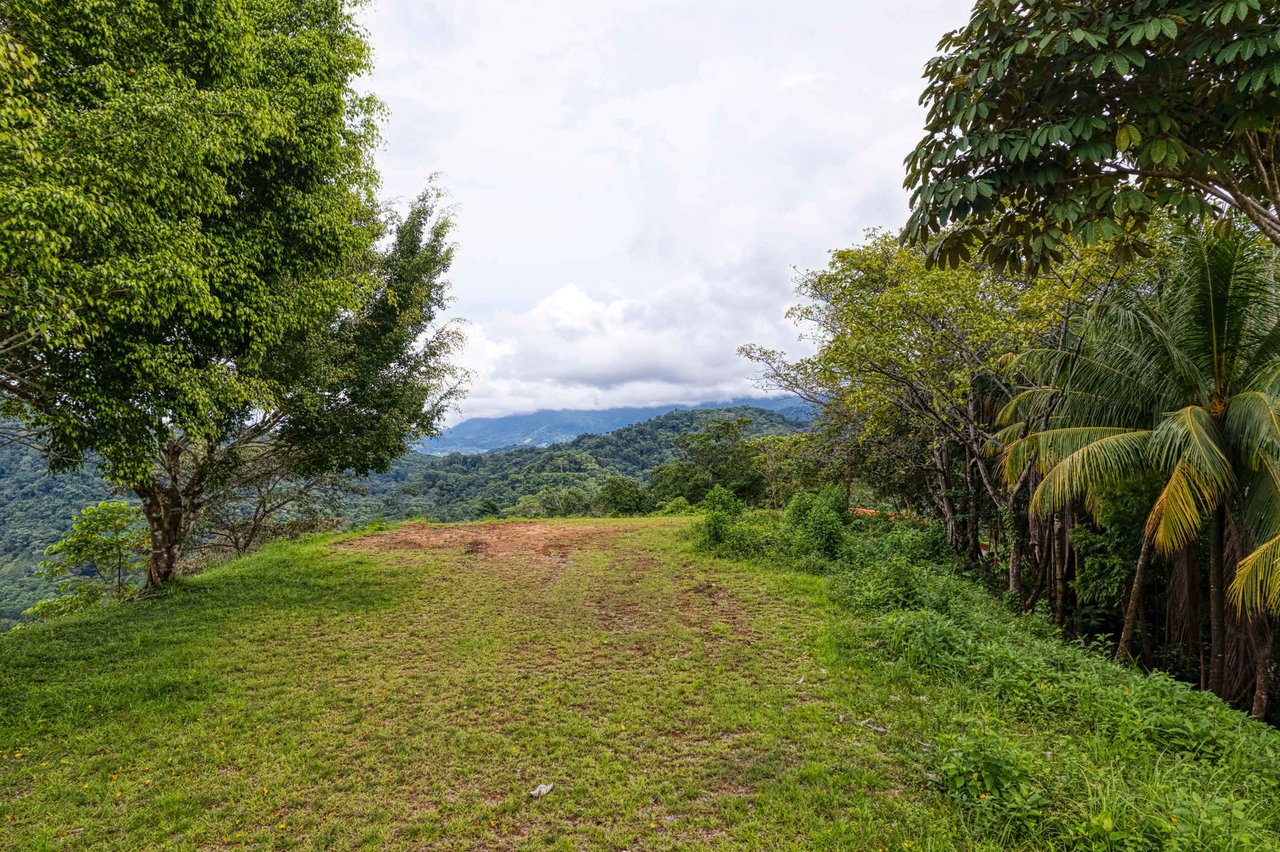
<point>410,689</point>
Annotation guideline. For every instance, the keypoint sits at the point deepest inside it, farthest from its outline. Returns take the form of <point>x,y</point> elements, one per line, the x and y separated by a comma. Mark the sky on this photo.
<point>636,184</point>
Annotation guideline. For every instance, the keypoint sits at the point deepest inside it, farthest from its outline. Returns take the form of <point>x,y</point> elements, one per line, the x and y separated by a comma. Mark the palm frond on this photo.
<point>1256,585</point>
<point>1111,455</point>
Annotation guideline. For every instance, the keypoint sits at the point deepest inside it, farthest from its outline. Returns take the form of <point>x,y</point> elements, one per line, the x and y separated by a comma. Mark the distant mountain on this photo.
<point>544,428</point>
<point>449,488</point>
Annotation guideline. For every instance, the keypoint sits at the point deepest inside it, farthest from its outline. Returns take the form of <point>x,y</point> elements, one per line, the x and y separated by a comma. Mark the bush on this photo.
<point>824,530</point>
<point>721,508</point>
<point>832,497</point>
<point>986,774</point>
<point>925,640</point>
<point>675,506</point>
<point>798,509</point>
<point>99,561</point>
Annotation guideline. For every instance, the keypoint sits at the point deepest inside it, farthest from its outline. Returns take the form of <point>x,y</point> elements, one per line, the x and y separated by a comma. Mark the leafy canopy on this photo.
<point>1055,118</point>
<point>182,189</point>
<point>1180,378</point>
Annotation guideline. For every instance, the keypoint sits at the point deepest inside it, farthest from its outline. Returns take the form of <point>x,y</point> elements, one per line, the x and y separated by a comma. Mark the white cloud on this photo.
<point>635,181</point>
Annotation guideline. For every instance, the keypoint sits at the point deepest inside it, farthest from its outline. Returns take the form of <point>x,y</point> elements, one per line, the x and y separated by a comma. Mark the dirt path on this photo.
<point>652,692</point>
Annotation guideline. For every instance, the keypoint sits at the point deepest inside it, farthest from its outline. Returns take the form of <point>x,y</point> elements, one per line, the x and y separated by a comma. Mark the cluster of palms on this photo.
<point>1178,378</point>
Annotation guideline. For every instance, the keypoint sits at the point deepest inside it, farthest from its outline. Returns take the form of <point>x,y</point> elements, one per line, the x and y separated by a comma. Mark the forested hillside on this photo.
<point>453,488</point>
<point>543,428</point>
<point>35,510</point>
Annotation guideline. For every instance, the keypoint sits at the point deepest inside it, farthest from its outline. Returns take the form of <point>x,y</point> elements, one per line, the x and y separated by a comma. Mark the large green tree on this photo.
<point>350,397</point>
<point>184,188</point>
<point>912,356</point>
<point>1057,119</point>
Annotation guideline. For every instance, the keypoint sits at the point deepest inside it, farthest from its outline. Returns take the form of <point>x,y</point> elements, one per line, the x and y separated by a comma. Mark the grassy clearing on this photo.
<point>409,690</point>
<point>337,695</point>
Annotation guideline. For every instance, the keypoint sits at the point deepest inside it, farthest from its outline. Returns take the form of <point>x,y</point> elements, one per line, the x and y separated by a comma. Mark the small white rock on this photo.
<point>541,790</point>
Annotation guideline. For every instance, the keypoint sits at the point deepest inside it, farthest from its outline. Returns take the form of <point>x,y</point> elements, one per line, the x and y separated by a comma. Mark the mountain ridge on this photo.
<point>546,427</point>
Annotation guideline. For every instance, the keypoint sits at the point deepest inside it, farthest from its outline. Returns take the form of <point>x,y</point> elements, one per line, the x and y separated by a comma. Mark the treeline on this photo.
<point>672,460</point>
<point>1070,355</point>
<point>632,470</point>
<point>1102,439</point>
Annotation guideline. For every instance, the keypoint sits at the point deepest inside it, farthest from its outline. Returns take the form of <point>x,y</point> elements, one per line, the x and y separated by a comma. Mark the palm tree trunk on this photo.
<point>1265,643</point>
<point>1217,602</point>
<point>1059,571</point>
<point>1135,595</point>
<point>1015,566</point>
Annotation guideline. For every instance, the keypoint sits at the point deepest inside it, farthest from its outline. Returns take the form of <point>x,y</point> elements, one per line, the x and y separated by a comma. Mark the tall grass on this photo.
<point>1036,741</point>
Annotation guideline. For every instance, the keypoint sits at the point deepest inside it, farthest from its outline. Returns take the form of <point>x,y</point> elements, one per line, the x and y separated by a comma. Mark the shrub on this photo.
<point>721,508</point>
<point>833,497</point>
<point>985,773</point>
<point>676,506</point>
<point>824,530</point>
<point>798,509</point>
<point>721,499</point>
<point>99,561</point>
<point>925,640</point>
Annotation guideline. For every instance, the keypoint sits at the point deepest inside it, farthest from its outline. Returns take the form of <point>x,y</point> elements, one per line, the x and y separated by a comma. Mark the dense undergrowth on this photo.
<point>1037,741</point>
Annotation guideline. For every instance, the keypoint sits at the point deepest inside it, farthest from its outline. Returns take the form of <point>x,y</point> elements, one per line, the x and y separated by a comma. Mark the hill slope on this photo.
<point>448,488</point>
<point>543,428</point>
<point>37,508</point>
<point>411,690</point>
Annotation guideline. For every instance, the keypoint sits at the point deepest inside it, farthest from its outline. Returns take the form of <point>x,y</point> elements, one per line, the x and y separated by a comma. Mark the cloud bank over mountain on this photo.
<point>636,183</point>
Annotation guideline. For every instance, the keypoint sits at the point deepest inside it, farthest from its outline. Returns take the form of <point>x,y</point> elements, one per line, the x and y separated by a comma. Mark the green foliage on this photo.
<point>987,774</point>
<point>1106,140</point>
<point>798,509</point>
<point>832,498</point>
<point>1175,384</point>
<point>721,509</point>
<point>447,488</point>
<point>38,509</point>
<point>676,507</point>
<point>1138,761</point>
<point>825,530</point>
<point>620,495</point>
<point>381,377</point>
<point>184,195</point>
<point>721,452</point>
<point>1109,552</point>
<point>100,559</point>
<point>925,640</point>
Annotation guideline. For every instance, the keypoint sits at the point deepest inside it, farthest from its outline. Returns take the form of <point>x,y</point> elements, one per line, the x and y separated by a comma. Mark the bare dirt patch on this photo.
<point>550,542</point>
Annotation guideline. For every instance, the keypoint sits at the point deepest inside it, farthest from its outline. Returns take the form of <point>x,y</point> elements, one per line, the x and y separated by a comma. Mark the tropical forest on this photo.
<point>666,426</point>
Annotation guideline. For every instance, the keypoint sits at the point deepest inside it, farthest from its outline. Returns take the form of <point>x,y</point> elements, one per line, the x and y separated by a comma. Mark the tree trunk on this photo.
<point>1217,602</point>
<point>1015,567</point>
<point>170,502</point>
<point>167,527</point>
<point>1059,571</point>
<point>1135,595</point>
<point>1193,579</point>
<point>1264,643</point>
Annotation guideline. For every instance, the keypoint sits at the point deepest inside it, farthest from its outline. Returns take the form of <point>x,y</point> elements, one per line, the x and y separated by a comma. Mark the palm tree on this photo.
<point>1179,376</point>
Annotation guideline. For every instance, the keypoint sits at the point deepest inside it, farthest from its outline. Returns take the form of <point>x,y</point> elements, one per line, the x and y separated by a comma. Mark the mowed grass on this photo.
<point>410,689</point>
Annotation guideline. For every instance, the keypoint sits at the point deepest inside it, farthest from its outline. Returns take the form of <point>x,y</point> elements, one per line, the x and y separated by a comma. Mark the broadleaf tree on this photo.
<point>181,190</point>
<point>1053,120</point>
<point>187,246</point>
<point>349,398</point>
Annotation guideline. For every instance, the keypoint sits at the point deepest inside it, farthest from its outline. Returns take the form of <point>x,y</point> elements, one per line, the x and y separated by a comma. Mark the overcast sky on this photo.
<point>635,183</point>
